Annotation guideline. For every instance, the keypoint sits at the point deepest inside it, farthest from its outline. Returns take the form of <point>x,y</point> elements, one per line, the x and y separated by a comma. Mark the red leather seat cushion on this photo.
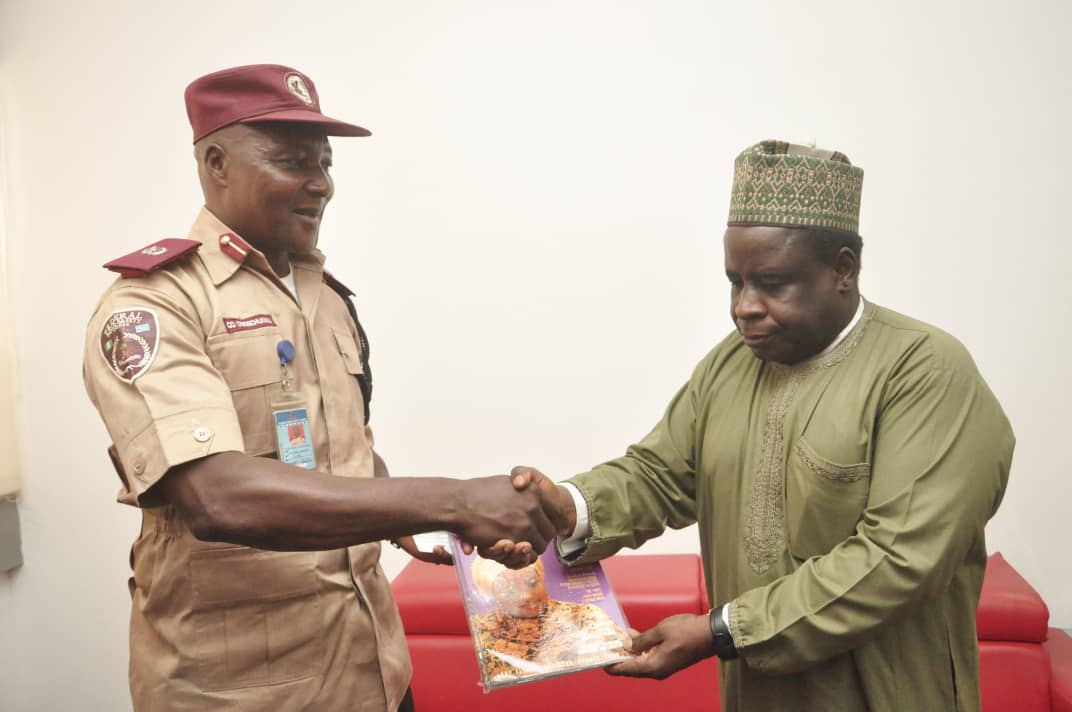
<point>445,673</point>
<point>1059,647</point>
<point>1009,609</point>
<point>430,601</point>
<point>1015,670</point>
<point>651,587</point>
<point>1014,676</point>
<point>445,677</point>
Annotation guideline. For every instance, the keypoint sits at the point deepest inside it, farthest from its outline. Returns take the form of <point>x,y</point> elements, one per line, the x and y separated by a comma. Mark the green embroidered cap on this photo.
<point>779,183</point>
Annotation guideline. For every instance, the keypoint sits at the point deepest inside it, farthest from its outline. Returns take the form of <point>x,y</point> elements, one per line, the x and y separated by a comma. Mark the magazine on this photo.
<point>540,621</point>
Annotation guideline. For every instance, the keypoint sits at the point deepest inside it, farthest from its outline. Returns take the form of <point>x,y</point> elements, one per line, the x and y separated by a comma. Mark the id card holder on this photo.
<point>290,422</point>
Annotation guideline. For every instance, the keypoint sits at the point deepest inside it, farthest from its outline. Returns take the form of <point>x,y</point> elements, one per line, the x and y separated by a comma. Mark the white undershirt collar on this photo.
<point>845,332</point>
<point>288,282</point>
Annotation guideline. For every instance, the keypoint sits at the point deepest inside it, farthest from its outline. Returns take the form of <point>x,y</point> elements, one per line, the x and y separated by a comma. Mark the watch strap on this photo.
<point>720,632</point>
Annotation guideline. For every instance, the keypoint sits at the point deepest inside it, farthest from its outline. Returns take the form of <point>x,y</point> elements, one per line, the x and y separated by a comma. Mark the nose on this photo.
<point>320,184</point>
<point>747,305</point>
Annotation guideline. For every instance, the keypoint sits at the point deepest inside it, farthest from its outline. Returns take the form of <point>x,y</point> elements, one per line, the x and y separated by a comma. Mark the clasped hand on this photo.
<point>513,519</point>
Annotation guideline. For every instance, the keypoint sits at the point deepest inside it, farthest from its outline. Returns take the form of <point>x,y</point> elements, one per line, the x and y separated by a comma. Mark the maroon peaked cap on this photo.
<point>258,92</point>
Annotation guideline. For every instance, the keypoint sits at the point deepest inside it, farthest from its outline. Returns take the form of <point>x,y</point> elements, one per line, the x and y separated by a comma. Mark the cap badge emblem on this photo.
<point>154,250</point>
<point>297,87</point>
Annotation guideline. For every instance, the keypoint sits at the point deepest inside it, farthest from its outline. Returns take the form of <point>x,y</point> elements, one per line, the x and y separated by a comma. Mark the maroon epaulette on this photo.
<point>336,284</point>
<point>151,258</point>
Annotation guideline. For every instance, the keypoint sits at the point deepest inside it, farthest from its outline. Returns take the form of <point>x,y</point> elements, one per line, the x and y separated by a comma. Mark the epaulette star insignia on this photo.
<point>149,259</point>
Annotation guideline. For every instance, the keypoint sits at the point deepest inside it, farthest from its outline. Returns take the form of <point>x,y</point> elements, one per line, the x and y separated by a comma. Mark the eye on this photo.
<point>771,285</point>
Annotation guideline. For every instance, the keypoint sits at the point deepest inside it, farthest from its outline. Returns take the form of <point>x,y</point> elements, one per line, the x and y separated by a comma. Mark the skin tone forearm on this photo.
<point>439,555</point>
<point>266,504</point>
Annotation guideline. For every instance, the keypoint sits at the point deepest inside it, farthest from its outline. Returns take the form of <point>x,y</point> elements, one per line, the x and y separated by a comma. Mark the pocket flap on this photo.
<point>246,361</point>
<point>350,351</point>
<point>235,574</point>
<point>829,469</point>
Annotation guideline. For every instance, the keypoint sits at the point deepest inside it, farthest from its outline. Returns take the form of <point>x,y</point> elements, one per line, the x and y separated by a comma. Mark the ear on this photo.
<point>847,269</point>
<point>216,162</point>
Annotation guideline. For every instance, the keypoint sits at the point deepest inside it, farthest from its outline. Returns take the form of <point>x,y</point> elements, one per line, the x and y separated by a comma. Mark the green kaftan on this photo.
<point>841,504</point>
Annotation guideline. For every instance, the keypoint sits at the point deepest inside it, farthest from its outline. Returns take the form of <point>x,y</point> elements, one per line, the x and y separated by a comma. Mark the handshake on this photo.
<point>510,519</point>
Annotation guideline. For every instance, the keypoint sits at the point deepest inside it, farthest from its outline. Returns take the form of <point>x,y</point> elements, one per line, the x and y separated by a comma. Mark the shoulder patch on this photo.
<point>128,341</point>
<point>336,284</point>
<point>152,257</point>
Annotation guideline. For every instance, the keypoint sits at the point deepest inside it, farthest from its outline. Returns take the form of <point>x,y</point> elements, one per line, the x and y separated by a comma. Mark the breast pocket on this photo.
<point>256,619</point>
<point>353,373</point>
<point>349,351</point>
<point>251,368</point>
<point>824,499</point>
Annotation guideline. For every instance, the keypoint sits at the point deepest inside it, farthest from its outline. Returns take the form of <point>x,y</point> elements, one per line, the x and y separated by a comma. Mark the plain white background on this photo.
<point>534,232</point>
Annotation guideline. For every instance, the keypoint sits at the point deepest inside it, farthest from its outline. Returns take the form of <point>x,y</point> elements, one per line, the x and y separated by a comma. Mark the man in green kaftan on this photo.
<point>840,458</point>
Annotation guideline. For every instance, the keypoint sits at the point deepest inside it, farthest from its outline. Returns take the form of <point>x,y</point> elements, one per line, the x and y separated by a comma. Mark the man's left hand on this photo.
<point>673,644</point>
<point>439,555</point>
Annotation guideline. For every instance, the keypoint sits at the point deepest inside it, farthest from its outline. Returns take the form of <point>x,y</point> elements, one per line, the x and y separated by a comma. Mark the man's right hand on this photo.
<point>516,553</point>
<point>523,476</point>
<point>496,510</point>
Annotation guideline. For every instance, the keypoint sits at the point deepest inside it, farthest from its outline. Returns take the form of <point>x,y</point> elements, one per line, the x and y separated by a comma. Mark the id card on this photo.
<point>293,434</point>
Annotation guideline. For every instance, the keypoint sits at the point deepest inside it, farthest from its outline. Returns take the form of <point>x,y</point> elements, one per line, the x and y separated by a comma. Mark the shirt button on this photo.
<point>202,434</point>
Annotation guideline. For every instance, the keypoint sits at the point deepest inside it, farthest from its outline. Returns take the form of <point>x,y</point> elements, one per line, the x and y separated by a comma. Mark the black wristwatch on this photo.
<point>720,631</point>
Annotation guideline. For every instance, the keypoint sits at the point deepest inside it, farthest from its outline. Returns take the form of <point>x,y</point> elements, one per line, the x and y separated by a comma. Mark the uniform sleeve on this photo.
<point>172,405</point>
<point>636,497</point>
<point>940,463</point>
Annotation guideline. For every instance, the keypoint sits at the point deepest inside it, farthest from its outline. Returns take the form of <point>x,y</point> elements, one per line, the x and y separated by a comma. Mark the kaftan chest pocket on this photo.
<point>824,499</point>
<point>256,617</point>
<point>249,365</point>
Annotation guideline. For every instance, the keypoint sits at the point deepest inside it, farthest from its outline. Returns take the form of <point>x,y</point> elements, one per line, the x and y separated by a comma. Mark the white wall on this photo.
<point>534,230</point>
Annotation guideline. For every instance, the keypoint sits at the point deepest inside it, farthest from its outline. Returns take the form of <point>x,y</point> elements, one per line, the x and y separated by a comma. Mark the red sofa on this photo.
<point>1024,665</point>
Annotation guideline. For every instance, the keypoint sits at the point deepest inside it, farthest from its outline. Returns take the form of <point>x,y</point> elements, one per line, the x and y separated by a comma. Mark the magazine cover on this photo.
<point>540,621</point>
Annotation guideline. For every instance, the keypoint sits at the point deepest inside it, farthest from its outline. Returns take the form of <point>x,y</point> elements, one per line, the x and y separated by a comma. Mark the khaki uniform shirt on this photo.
<point>181,364</point>
<point>841,505</point>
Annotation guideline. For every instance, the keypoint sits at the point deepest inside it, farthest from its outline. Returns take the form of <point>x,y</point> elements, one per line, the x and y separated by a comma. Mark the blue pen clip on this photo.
<point>285,350</point>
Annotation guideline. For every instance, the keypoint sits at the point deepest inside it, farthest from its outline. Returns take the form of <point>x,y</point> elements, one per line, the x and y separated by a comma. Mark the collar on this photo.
<point>845,332</point>
<point>224,251</point>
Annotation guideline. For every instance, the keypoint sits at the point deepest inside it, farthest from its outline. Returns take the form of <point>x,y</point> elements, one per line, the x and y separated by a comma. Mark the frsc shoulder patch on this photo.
<point>128,341</point>
<point>152,257</point>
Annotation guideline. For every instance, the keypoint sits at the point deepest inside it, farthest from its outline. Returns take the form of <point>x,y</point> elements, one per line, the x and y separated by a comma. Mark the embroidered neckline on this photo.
<point>765,529</point>
<point>841,352</point>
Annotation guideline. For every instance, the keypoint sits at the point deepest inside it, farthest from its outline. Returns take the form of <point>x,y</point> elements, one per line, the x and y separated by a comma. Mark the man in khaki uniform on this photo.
<point>233,379</point>
<point>841,459</point>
